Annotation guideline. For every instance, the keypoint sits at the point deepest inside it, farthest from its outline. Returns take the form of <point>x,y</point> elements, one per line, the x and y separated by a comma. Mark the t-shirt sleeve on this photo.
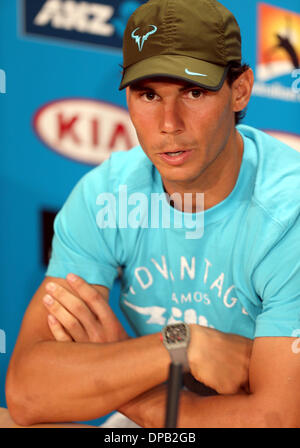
<point>278,283</point>
<point>79,244</point>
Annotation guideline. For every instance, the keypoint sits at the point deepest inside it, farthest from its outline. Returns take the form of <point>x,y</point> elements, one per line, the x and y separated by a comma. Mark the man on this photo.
<point>235,283</point>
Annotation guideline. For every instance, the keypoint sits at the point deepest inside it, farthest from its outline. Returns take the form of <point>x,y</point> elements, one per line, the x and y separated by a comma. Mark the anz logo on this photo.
<point>94,22</point>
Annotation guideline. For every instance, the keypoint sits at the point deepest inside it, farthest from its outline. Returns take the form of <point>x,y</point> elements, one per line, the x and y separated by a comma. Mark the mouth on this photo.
<point>174,153</point>
<point>175,157</point>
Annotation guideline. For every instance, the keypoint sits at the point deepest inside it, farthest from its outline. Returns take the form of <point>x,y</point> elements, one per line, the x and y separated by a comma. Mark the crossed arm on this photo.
<point>52,378</point>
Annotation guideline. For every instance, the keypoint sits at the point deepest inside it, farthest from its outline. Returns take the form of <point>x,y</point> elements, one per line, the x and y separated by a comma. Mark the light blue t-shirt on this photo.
<point>242,276</point>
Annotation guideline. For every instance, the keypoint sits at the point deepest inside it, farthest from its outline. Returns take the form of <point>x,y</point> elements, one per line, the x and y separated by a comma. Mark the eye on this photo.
<point>195,93</point>
<point>148,96</point>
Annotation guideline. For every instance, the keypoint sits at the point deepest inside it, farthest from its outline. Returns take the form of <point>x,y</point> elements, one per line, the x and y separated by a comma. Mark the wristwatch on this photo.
<point>176,338</point>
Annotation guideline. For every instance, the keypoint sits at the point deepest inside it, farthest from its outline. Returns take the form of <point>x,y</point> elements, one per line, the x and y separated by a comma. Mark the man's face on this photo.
<point>172,115</point>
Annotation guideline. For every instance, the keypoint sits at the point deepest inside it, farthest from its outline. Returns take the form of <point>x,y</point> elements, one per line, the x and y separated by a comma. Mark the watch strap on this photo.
<point>179,356</point>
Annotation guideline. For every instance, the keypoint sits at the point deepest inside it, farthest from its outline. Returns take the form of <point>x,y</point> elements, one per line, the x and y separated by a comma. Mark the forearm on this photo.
<point>220,411</point>
<point>57,381</point>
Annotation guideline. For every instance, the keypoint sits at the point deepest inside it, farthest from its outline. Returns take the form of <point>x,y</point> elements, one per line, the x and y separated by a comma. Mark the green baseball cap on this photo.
<point>192,40</point>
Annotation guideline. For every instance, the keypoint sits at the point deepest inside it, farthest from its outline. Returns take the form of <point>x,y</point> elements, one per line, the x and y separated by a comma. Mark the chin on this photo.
<point>177,179</point>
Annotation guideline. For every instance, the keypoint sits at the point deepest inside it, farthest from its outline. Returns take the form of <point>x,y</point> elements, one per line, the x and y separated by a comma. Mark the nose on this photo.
<point>171,120</point>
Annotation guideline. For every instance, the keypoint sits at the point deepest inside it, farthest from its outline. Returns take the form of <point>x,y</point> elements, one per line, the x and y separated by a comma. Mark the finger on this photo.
<point>77,307</point>
<point>97,304</point>
<point>66,319</point>
<point>57,330</point>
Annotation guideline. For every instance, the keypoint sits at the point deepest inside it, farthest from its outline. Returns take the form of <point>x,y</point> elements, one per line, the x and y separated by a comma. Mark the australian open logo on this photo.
<point>99,22</point>
<point>278,54</point>
<point>141,39</point>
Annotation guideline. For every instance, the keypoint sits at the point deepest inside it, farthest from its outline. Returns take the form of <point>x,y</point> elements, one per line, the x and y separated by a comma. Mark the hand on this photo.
<point>220,360</point>
<point>82,315</point>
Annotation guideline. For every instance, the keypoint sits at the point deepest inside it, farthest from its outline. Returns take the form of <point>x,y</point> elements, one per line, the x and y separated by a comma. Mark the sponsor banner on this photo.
<point>91,21</point>
<point>278,42</point>
<point>85,130</point>
<point>278,53</point>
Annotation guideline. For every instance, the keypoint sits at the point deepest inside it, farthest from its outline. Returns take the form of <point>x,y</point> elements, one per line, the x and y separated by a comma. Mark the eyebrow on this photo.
<point>140,88</point>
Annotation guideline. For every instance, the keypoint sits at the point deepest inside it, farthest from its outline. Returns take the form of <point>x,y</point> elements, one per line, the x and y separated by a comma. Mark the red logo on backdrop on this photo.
<point>84,129</point>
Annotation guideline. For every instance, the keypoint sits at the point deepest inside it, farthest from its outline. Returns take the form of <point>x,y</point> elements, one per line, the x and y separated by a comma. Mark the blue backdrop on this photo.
<point>61,114</point>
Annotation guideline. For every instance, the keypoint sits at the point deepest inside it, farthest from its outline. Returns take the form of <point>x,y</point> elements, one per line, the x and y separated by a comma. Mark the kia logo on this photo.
<point>85,130</point>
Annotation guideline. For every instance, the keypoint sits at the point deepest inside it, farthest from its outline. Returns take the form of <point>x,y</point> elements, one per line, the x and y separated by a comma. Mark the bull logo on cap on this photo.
<point>138,38</point>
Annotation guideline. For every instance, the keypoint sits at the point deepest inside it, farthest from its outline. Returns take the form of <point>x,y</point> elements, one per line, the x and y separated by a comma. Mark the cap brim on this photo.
<point>201,73</point>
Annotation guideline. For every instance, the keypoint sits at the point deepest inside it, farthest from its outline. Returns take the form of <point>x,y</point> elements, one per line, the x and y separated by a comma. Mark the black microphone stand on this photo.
<point>175,383</point>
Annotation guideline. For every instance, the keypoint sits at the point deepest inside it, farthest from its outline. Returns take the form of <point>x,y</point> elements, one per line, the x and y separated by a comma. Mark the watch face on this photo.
<point>175,333</point>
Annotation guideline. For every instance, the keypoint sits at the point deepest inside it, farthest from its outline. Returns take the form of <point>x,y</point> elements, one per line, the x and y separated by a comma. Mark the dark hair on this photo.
<point>234,72</point>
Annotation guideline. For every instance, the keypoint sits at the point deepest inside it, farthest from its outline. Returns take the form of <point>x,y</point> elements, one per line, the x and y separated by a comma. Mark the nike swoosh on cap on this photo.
<point>193,73</point>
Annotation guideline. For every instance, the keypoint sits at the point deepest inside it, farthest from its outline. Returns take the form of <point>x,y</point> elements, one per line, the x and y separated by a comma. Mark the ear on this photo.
<point>242,89</point>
